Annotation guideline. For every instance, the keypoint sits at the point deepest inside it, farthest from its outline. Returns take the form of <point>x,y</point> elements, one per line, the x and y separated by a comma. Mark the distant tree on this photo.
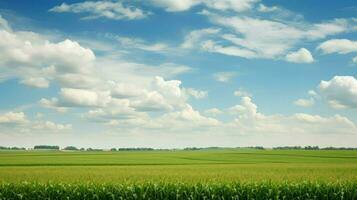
<point>311,148</point>
<point>91,149</point>
<point>71,148</point>
<point>12,148</point>
<point>136,149</point>
<point>46,147</point>
<point>288,147</point>
<point>113,149</point>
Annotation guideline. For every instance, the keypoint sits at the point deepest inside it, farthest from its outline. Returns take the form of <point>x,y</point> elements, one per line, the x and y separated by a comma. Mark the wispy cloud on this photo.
<point>115,10</point>
<point>224,76</point>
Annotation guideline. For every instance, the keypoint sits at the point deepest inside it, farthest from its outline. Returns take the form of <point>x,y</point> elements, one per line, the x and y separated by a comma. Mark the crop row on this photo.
<point>262,190</point>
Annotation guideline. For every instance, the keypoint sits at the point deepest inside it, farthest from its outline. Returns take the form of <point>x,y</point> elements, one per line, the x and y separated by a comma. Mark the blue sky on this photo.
<point>170,73</point>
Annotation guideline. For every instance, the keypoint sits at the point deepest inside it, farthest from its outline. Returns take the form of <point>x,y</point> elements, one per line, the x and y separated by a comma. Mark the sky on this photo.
<point>178,73</point>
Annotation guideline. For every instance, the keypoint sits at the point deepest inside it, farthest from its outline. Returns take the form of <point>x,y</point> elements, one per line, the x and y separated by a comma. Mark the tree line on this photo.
<point>73,148</point>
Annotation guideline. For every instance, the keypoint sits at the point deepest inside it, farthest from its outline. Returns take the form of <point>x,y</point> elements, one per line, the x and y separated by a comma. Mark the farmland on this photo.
<point>244,168</point>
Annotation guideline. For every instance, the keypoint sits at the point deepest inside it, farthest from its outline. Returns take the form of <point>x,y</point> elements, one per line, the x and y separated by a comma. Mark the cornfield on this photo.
<point>259,190</point>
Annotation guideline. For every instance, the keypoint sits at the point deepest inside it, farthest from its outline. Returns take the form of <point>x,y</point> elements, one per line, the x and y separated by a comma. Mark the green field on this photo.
<point>185,166</point>
<point>202,174</point>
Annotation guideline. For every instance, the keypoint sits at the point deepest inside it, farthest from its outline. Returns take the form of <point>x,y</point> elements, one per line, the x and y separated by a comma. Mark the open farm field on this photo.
<point>210,174</point>
<point>183,166</point>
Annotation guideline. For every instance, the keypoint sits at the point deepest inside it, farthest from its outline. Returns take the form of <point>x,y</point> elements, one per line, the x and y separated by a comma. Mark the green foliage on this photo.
<point>71,148</point>
<point>196,174</point>
<point>263,190</point>
<point>46,147</point>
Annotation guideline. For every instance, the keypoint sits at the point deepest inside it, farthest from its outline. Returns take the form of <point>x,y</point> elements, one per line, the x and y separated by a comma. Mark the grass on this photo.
<point>275,174</point>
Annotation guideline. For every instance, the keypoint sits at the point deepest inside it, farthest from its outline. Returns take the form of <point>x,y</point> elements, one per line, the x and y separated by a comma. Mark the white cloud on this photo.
<point>305,102</point>
<point>187,117</point>
<point>4,24</point>
<point>223,76</point>
<point>340,91</point>
<point>354,59</point>
<point>247,109</point>
<point>116,109</point>
<point>211,46</point>
<point>241,93</point>
<point>80,97</point>
<point>265,9</point>
<point>312,93</point>
<point>250,121</point>
<point>340,46</point>
<point>18,122</point>
<point>125,90</point>
<point>48,125</point>
<point>197,94</point>
<point>235,5</point>
<point>52,104</point>
<point>196,36</point>
<point>136,43</point>
<point>164,95</point>
<point>36,82</point>
<point>175,5</point>
<point>213,112</point>
<point>13,117</point>
<point>255,37</point>
<point>301,56</point>
<point>334,122</point>
<point>223,5</point>
<point>102,9</point>
<point>71,97</point>
<point>35,61</point>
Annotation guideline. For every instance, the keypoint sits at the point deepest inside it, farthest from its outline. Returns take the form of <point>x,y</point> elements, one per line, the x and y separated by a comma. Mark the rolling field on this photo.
<point>257,170</point>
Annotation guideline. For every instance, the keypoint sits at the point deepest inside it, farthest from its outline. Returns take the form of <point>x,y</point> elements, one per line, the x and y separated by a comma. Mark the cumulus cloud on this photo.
<point>340,46</point>
<point>301,56</point>
<point>334,122</point>
<point>223,76</point>
<point>164,95</point>
<point>71,97</point>
<point>35,61</point>
<point>36,82</point>
<point>13,117</point>
<point>19,122</point>
<point>187,115</point>
<point>249,120</point>
<point>247,109</point>
<point>49,125</point>
<point>115,10</point>
<point>213,112</point>
<point>340,91</point>
<point>80,97</point>
<point>197,94</point>
<point>52,103</point>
